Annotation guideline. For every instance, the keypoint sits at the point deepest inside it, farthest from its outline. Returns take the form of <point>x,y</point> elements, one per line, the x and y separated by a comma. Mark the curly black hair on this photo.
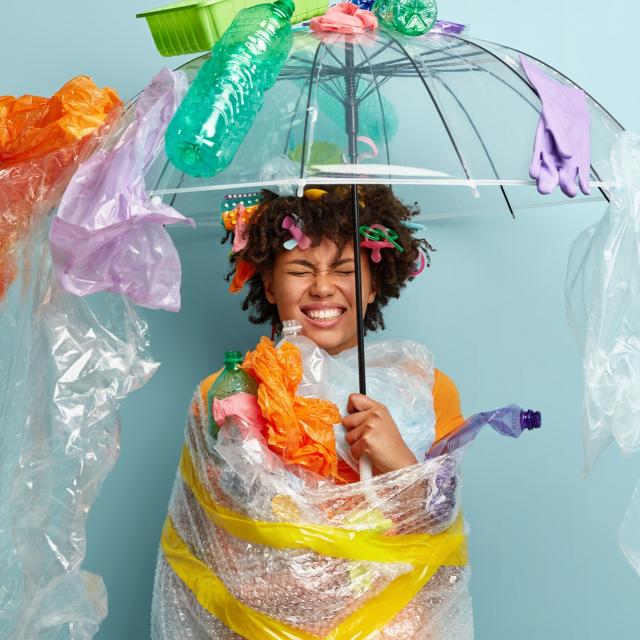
<point>330,217</point>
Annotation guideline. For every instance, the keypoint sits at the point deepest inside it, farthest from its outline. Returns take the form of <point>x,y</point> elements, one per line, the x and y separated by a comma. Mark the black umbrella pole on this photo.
<point>362,378</point>
<point>351,125</point>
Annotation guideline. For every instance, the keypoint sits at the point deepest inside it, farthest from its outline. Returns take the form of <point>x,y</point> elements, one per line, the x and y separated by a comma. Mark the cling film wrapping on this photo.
<point>255,547</point>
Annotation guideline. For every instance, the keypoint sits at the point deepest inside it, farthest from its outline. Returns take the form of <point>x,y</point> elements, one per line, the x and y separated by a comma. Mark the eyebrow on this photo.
<point>310,265</point>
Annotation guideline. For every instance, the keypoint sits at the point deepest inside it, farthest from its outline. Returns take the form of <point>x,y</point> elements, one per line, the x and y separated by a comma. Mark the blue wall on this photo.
<point>543,546</point>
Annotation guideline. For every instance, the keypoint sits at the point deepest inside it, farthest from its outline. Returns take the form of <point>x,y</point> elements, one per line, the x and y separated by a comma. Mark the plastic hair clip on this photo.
<point>300,238</point>
<point>378,237</point>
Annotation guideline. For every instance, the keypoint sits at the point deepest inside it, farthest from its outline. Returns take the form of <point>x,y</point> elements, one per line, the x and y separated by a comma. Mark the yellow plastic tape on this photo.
<point>428,553</point>
<point>327,541</point>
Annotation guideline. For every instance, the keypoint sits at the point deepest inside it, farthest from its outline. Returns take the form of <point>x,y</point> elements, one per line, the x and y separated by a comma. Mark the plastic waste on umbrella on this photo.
<point>561,151</point>
<point>231,381</point>
<point>108,234</point>
<point>228,91</point>
<point>346,18</point>
<point>409,17</point>
<point>509,421</point>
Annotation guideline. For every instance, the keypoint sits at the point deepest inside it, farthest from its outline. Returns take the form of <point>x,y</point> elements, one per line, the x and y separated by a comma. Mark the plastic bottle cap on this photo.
<point>233,357</point>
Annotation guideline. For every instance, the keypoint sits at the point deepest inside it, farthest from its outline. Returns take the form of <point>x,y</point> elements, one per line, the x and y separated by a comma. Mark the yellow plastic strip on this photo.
<point>415,549</point>
<point>214,597</point>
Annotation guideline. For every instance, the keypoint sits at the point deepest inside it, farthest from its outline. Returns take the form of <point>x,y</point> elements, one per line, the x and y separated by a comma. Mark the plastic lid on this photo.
<point>233,357</point>
<point>530,419</point>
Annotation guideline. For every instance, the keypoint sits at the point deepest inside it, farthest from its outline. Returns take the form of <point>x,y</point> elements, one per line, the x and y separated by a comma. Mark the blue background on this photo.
<point>543,545</point>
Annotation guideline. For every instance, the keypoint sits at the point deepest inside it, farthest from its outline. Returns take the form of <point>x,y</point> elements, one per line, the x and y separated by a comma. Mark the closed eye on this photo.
<point>300,274</point>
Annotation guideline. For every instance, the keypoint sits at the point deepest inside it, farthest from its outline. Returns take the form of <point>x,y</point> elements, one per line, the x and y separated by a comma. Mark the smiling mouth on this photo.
<point>324,315</point>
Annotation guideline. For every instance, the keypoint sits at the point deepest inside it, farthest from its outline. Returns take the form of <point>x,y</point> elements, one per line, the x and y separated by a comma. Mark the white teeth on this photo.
<point>324,314</point>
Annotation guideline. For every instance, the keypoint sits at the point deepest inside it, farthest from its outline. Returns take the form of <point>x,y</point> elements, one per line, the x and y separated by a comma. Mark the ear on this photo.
<point>267,282</point>
<point>372,295</point>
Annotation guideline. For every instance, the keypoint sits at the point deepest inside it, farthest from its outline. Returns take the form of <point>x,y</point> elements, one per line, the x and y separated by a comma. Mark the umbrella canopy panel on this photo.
<point>439,110</point>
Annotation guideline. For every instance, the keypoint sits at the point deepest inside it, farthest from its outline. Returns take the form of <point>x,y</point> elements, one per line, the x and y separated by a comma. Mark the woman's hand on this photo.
<point>371,430</point>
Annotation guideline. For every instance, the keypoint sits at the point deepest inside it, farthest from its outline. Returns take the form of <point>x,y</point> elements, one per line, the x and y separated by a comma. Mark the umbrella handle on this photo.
<point>366,467</point>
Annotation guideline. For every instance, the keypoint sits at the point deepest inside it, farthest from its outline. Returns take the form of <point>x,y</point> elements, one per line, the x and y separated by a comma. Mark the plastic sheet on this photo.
<point>255,548</point>
<point>603,305</point>
<point>42,142</point>
<point>108,234</point>
<point>65,365</point>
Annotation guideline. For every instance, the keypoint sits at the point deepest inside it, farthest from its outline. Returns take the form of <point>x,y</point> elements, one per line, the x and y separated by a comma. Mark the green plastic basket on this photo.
<point>192,26</point>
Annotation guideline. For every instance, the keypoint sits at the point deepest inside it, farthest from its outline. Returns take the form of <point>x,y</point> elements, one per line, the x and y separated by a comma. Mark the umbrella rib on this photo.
<point>481,140</point>
<point>314,71</point>
<point>437,107</point>
<point>377,89</point>
<point>499,59</point>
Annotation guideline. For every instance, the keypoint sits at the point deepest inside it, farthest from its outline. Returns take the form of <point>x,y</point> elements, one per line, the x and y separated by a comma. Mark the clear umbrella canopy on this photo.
<point>445,111</point>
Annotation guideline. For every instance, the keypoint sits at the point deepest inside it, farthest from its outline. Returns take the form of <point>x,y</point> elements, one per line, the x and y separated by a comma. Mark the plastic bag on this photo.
<point>108,234</point>
<point>603,308</point>
<point>298,429</point>
<point>65,365</point>
<point>42,141</point>
<point>254,547</point>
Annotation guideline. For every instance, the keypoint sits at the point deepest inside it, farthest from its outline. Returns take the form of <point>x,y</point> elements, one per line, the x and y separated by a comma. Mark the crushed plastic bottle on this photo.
<point>409,17</point>
<point>509,421</point>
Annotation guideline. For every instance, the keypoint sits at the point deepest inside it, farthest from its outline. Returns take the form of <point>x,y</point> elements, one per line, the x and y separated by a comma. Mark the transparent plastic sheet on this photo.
<point>65,365</point>
<point>304,584</point>
<point>603,305</point>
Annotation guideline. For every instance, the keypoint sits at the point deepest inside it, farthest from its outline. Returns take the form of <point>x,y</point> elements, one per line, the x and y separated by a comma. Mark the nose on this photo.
<point>323,285</point>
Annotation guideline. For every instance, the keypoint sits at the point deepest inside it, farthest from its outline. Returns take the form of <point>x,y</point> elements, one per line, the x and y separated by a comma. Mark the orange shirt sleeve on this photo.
<point>446,404</point>
<point>205,385</point>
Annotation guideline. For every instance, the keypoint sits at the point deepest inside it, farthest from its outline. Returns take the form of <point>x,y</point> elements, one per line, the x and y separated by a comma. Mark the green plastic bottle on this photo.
<point>230,381</point>
<point>228,92</point>
<point>409,17</point>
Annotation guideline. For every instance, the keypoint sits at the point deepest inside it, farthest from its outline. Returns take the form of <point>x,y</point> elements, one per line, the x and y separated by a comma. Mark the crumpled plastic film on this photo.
<point>108,234</point>
<point>256,548</point>
<point>65,365</point>
<point>603,307</point>
<point>42,141</point>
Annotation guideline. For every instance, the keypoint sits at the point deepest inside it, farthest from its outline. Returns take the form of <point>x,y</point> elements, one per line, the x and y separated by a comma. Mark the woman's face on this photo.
<point>317,288</point>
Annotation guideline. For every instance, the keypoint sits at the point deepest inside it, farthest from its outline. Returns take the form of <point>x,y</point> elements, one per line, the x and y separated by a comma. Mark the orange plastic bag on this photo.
<point>299,430</point>
<point>42,142</point>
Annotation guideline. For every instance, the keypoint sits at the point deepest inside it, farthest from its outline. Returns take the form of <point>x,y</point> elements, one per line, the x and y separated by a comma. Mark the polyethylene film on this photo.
<point>255,548</point>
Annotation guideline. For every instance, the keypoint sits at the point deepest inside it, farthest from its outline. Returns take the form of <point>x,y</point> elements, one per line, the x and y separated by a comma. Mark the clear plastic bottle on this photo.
<point>226,95</point>
<point>509,421</point>
<point>231,380</point>
<point>409,17</point>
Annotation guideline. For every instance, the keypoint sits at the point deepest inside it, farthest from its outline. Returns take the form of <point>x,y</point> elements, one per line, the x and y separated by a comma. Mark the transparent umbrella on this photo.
<point>443,111</point>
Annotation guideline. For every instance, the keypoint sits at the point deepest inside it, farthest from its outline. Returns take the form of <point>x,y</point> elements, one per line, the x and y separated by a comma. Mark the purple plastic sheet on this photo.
<point>108,234</point>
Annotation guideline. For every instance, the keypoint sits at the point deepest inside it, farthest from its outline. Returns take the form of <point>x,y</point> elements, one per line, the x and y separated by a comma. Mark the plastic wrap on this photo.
<point>65,365</point>
<point>603,306</point>
<point>256,548</point>
<point>42,142</point>
<point>108,234</point>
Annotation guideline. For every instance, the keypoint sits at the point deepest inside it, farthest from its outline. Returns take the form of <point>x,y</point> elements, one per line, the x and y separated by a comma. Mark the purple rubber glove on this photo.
<point>562,146</point>
<point>108,235</point>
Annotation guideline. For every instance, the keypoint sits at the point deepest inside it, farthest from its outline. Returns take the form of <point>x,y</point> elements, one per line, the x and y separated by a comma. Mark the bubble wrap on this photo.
<point>309,592</point>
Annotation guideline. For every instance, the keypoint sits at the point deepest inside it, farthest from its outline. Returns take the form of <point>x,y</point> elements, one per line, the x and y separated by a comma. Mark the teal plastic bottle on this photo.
<point>230,381</point>
<point>409,17</point>
<point>228,92</point>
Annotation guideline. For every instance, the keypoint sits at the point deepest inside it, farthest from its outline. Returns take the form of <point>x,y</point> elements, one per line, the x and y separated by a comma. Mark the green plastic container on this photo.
<point>192,26</point>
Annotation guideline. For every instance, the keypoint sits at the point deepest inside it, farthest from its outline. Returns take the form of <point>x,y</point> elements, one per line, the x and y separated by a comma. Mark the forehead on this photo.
<point>324,252</point>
